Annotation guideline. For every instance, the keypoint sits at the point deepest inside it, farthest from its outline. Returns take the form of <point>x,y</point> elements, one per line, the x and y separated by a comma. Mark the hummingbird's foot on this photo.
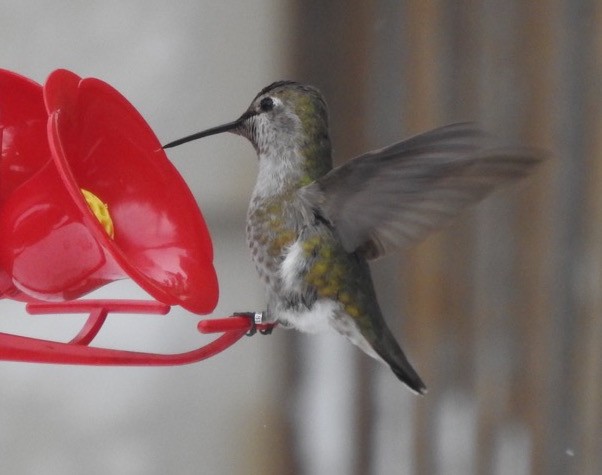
<point>267,328</point>
<point>256,319</point>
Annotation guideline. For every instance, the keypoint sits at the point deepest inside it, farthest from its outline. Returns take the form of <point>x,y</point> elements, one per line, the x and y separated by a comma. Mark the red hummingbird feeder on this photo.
<point>87,197</point>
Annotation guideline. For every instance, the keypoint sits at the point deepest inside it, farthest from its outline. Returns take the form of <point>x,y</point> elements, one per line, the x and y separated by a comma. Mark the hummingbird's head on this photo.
<point>283,114</point>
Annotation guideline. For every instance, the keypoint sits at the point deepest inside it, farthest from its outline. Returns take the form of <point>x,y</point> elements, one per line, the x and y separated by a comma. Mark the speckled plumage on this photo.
<point>313,283</point>
<point>312,228</point>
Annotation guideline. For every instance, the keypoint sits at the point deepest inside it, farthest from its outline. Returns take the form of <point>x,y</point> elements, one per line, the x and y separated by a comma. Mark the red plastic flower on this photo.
<point>87,196</point>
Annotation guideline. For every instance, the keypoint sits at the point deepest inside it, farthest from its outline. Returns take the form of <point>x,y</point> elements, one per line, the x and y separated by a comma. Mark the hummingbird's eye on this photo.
<point>266,104</point>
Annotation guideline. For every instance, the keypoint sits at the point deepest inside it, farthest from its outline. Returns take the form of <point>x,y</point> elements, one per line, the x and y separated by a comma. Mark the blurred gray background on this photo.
<point>501,312</point>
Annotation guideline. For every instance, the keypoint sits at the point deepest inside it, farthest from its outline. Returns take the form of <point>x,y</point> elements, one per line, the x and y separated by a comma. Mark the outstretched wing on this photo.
<point>392,197</point>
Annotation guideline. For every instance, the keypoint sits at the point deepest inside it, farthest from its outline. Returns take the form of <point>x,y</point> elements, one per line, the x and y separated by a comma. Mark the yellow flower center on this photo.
<point>101,211</point>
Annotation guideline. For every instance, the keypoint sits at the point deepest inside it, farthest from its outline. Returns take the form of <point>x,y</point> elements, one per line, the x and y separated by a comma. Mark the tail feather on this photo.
<point>372,335</point>
<point>389,350</point>
<point>385,348</point>
<point>409,376</point>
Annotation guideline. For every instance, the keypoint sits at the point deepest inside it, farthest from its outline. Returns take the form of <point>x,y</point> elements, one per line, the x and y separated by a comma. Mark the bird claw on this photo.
<point>256,319</point>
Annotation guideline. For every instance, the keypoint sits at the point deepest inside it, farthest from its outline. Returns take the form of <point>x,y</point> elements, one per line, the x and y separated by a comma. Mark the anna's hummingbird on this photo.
<point>312,228</point>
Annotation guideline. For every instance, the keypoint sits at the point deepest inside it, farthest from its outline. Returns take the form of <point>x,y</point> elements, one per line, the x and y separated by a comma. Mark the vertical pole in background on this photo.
<point>588,365</point>
<point>330,49</point>
<point>425,294</point>
<point>532,387</point>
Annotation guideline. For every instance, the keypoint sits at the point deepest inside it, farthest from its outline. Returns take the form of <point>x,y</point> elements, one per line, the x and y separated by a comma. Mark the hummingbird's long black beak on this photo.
<point>212,131</point>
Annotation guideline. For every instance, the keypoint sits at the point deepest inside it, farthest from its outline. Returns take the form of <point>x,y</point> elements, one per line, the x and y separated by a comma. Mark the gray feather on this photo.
<point>393,197</point>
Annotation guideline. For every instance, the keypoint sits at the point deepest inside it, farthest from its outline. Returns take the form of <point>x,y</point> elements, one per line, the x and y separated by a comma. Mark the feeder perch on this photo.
<point>87,197</point>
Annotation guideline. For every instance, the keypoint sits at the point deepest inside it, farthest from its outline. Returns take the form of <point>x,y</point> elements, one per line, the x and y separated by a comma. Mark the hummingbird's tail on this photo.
<point>373,337</point>
<point>408,375</point>
<point>379,343</point>
<point>389,350</point>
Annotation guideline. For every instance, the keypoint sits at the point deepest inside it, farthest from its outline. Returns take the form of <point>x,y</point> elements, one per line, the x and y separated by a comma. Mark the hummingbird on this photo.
<point>312,229</point>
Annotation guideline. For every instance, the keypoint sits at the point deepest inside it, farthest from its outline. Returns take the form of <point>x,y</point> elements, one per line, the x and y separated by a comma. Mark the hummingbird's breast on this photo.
<point>273,225</point>
<point>302,261</point>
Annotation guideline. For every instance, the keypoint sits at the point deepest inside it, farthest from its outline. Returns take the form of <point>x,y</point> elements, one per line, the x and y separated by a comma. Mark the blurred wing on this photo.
<point>391,198</point>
